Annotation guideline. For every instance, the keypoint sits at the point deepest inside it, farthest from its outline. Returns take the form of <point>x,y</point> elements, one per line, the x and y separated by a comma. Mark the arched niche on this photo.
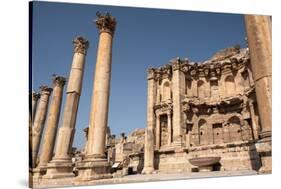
<point>234,129</point>
<point>166,91</point>
<point>230,87</point>
<point>203,132</point>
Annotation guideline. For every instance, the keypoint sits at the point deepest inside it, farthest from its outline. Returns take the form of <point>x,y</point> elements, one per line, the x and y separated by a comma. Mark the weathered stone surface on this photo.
<point>61,164</point>
<point>48,143</point>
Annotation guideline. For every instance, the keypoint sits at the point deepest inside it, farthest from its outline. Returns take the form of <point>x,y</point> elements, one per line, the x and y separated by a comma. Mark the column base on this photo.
<point>264,149</point>
<point>59,169</point>
<point>93,169</point>
<point>38,172</point>
<point>147,170</point>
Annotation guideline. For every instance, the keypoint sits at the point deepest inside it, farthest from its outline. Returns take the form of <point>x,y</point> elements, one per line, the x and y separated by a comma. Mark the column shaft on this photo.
<point>35,97</point>
<point>149,134</point>
<point>169,129</point>
<point>61,164</point>
<point>100,98</point>
<point>255,126</point>
<point>39,122</point>
<point>52,121</point>
<point>258,29</point>
<point>66,131</point>
<point>158,132</point>
<point>178,89</point>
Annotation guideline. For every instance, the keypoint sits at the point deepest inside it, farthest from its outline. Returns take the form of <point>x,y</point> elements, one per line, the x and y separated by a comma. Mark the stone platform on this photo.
<point>140,178</point>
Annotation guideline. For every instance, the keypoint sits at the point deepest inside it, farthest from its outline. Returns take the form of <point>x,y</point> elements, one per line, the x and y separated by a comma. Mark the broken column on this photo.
<point>149,132</point>
<point>95,164</point>
<point>61,164</point>
<point>51,125</point>
<point>258,29</point>
<point>39,121</point>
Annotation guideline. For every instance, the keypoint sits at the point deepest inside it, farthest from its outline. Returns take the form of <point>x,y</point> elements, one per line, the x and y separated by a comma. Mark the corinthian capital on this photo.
<point>105,23</point>
<point>59,80</point>
<point>80,45</point>
<point>45,90</point>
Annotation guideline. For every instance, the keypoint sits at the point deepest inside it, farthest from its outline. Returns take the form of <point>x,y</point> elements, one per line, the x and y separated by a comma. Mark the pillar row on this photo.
<point>39,121</point>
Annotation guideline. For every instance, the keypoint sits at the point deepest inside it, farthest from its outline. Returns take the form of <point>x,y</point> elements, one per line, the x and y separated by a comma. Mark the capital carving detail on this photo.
<point>105,23</point>
<point>45,89</point>
<point>80,45</point>
<point>59,80</point>
<point>35,95</point>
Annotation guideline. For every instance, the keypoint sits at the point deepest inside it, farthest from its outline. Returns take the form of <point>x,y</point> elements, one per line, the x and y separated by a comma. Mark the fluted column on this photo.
<point>258,29</point>
<point>52,121</point>
<point>95,165</point>
<point>35,98</point>
<point>39,121</point>
<point>150,127</point>
<point>61,165</point>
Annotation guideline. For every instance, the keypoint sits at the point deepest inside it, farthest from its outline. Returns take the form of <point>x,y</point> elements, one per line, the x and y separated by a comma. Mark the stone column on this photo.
<point>255,125</point>
<point>61,164</point>
<point>52,124</point>
<point>178,91</point>
<point>158,132</point>
<point>95,165</point>
<point>258,29</point>
<point>39,121</point>
<point>169,128</point>
<point>35,97</point>
<point>149,134</point>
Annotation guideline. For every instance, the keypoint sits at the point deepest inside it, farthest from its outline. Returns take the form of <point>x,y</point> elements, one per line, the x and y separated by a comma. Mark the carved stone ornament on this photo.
<point>59,80</point>
<point>80,45</point>
<point>150,73</point>
<point>45,89</point>
<point>105,23</point>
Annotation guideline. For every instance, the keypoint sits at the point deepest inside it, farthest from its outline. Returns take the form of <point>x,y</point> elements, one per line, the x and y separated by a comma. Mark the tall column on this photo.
<point>35,98</point>
<point>178,90</point>
<point>258,29</point>
<point>158,132</point>
<point>61,164</point>
<point>259,39</point>
<point>149,134</point>
<point>169,128</point>
<point>52,124</point>
<point>95,165</point>
<point>39,121</point>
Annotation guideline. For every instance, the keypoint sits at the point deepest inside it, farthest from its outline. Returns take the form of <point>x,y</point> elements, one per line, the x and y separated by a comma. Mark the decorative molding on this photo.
<point>105,23</point>
<point>59,80</point>
<point>80,45</point>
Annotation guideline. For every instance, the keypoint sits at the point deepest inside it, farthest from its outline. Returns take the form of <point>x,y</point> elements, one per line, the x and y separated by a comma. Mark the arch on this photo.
<point>166,92</point>
<point>230,87</point>
<point>203,132</point>
<point>234,129</point>
<point>200,89</point>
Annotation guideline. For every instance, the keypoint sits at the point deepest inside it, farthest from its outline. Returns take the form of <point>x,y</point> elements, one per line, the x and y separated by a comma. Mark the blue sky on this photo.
<point>143,38</point>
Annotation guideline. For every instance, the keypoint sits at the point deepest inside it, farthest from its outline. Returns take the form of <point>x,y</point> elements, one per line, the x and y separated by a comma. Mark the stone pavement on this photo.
<point>141,178</point>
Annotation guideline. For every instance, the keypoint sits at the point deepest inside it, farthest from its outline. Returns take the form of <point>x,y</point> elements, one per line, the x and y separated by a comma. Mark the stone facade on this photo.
<point>218,113</point>
<point>201,116</point>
